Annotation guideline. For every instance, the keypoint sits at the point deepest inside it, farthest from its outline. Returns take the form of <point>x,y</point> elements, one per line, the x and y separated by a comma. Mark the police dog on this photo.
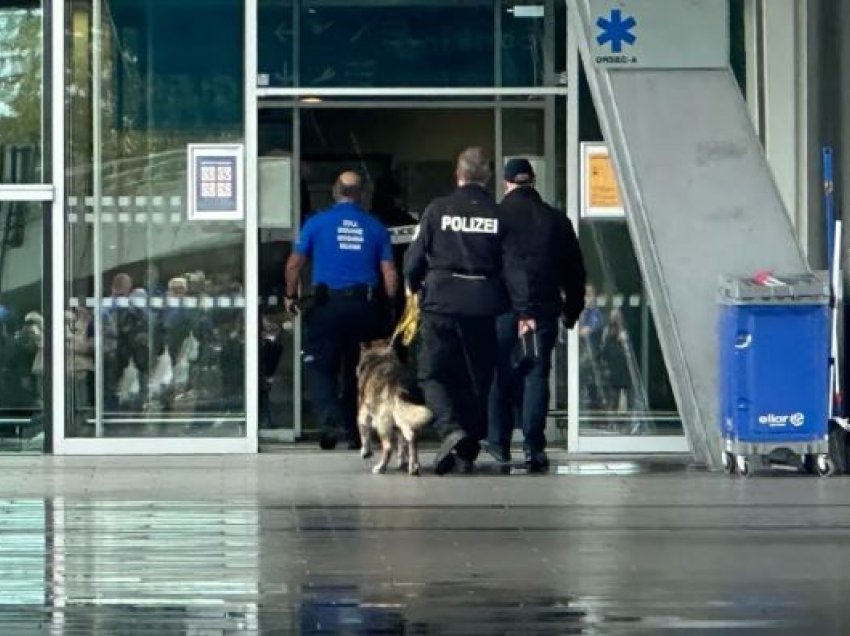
<point>384,407</point>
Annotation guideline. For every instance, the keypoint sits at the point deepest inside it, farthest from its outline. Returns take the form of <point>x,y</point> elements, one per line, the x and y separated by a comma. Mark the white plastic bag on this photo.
<point>128,386</point>
<point>163,374</point>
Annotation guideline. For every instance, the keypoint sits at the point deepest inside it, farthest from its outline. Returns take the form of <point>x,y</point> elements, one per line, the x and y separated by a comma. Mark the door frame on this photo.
<point>139,445</point>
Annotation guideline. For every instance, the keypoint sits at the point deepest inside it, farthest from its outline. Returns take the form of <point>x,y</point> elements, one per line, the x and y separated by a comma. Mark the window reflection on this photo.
<point>624,388</point>
<point>21,91</point>
<point>155,333</point>
<point>375,43</point>
<point>22,327</point>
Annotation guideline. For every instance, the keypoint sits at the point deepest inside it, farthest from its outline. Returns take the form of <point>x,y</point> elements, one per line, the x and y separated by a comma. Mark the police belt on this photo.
<point>361,292</point>
<point>465,274</point>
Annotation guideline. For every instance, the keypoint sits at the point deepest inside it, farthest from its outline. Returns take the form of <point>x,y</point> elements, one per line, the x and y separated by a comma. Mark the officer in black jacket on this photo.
<point>467,272</point>
<point>556,277</point>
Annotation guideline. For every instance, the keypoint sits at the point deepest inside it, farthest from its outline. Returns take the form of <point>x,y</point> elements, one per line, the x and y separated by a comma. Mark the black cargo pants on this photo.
<point>457,359</point>
<point>334,329</point>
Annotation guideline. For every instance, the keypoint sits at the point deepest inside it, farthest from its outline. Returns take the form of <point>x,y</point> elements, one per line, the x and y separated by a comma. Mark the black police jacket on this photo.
<point>462,261</point>
<point>550,250</point>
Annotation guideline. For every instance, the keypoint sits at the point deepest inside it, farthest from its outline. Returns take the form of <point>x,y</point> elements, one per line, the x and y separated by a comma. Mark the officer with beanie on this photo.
<point>352,255</point>
<point>556,278</point>
<point>466,270</point>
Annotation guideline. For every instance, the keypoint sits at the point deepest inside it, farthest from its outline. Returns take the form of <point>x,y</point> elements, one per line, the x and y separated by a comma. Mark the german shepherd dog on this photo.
<point>384,406</point>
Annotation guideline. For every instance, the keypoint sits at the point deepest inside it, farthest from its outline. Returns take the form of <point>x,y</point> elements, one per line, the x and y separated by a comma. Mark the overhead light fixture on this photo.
<point>311,100</point>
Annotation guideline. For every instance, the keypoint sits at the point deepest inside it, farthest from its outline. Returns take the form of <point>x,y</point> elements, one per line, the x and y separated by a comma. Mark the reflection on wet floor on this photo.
<point>223,567</point>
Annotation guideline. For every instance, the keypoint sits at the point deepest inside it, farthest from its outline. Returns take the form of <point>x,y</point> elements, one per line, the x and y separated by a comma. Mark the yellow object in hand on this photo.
<point>409,323</point>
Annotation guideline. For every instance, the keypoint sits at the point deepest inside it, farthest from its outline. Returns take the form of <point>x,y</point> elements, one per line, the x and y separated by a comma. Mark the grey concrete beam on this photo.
<point>701,201</point>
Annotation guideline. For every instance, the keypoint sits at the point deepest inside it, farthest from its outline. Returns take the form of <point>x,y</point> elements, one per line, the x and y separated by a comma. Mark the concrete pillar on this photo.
<point>782,87</point>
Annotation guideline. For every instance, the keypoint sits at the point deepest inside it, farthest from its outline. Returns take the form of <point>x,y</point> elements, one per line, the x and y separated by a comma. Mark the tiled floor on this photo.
<point>303,542</point>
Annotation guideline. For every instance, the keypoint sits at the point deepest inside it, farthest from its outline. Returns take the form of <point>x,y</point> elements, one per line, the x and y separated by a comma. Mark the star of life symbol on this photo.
<point>616,30</point>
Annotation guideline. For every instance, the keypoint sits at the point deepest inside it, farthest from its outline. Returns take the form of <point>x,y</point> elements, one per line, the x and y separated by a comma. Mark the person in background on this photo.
<point>351,255</point>
<point>554,265</point>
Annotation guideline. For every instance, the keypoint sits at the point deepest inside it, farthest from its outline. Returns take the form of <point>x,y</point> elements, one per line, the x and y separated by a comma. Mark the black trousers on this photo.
<point>457,358</point>
<point>334,330</point>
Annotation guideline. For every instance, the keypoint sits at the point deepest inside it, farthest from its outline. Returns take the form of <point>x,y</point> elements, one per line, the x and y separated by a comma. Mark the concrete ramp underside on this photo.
<point>700,201</point>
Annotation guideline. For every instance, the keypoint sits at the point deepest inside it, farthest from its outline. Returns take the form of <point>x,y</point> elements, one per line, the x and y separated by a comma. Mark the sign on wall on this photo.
<point>600,194</point>
<point>669,34</point>
<point>215,182</point>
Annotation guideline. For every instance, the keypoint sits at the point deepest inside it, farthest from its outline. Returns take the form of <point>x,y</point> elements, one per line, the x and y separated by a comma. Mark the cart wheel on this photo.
<point>742,463</point>
<point>727,460</point>
<point>825,466</point>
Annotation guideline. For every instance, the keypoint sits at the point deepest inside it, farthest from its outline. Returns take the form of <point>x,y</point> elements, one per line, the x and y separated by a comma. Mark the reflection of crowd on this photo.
<point>606,359</point>
<point>21,360</point>
<point>173,351</point>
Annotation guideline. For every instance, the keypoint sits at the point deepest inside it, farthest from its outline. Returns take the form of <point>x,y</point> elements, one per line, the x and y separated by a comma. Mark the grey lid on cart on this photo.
<point>811,288</point>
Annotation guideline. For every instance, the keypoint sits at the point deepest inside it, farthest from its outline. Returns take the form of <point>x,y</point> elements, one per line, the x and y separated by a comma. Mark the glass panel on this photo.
<point>529,56</point>
<point>156,342</point>
<point>21,91</point>
<point>275,43</point>
<point>624,385</point>
<point>22,326</point>
<point>381,43</point>
<point>277,200</point>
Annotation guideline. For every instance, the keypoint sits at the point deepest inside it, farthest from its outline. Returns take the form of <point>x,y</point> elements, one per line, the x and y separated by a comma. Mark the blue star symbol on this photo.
<point>616,30</point>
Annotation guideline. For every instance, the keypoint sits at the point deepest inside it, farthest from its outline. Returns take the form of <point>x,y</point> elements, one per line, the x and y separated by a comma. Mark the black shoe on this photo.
<point>444,461</point>
<point>501,455</point>
<point>537,462</point>
<point>327,441</point>
<point>464,466</point>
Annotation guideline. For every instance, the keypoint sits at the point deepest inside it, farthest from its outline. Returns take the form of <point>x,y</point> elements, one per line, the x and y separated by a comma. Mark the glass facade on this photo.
<point>422,43</point>
<point>155,300</point>
<point>155,306</point>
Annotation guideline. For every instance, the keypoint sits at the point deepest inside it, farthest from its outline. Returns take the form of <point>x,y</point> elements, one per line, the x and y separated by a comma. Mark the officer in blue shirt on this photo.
<point>351,255</point>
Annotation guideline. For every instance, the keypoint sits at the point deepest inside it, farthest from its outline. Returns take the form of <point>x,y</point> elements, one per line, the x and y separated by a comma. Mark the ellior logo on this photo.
<point>771,419</point>
<point>616,30</point>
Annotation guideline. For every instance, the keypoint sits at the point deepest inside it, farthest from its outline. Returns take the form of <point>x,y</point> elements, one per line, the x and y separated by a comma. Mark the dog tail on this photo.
<point>415,415</point>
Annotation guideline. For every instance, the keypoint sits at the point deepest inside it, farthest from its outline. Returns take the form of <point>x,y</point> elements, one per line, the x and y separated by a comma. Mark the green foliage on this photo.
<point>21,80</point>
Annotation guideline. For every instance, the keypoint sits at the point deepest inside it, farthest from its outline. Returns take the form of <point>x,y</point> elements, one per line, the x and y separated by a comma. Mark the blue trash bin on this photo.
<point>774,369</point>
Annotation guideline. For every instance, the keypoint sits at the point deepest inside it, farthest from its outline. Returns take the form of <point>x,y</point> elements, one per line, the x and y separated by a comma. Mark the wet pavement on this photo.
<point>303,542</point>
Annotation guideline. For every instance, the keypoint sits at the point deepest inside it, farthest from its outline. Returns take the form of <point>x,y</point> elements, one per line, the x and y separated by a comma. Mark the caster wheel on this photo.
<point>825,466</point>
<point>727,460</point>
<point>743,466</point>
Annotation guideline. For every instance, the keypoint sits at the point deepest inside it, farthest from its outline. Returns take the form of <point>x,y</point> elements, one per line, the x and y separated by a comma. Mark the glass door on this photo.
<point>24,214</point>
<point>157,272</point>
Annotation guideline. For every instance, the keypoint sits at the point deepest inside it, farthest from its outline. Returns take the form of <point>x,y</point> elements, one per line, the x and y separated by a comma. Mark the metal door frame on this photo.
<point>141,445</point>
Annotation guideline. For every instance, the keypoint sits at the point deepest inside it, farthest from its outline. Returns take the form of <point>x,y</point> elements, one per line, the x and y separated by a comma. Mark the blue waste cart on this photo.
<point>774,369</point>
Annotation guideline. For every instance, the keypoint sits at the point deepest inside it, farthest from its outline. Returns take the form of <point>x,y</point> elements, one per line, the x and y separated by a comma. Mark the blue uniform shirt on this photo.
<point>347,246</point>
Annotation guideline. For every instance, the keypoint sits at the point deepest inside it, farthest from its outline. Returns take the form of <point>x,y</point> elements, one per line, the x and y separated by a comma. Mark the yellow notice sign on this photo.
<point>602,185</point>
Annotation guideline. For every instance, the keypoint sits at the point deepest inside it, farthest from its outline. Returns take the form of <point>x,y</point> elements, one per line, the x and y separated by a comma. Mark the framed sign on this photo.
<point>215,178</point>
<point>600,194</point>
<point>660,34</point>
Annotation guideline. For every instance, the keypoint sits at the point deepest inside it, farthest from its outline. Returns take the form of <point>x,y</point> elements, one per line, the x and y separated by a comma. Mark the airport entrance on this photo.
<point>189,146</point>
<point>406,153</point>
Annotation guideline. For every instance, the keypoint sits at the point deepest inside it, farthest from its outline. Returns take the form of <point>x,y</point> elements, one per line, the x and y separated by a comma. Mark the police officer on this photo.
<point>463,266</point>
<point>351,255</point>
<point>556,277</point>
